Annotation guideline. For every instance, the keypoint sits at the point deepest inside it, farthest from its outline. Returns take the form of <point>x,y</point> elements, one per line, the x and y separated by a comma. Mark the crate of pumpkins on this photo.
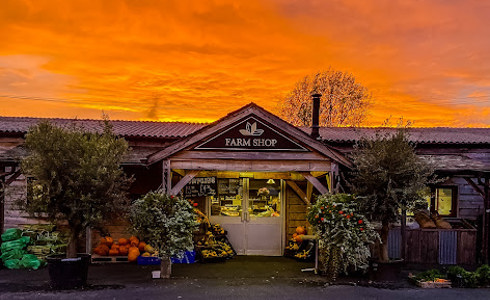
<point>122,250</point>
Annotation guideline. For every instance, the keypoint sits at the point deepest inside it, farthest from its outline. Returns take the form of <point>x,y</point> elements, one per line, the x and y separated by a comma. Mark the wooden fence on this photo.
<point>435,246</point>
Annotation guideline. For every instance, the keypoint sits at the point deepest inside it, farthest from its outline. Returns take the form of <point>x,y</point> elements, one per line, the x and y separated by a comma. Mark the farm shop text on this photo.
<point>250,142</point>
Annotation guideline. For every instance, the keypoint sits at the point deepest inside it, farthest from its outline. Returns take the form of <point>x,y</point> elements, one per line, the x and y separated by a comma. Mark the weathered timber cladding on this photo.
<point>13,216</point>
<point>466,247</point>
<point>470,202</point>
<point>423,246</point>
<point>296,212</point>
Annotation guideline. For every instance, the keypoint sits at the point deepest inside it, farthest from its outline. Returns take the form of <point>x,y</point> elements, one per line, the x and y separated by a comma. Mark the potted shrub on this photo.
<point>167,223</point>
<point>389,178</point>
<point>77,180</point>
<point>344,234</point>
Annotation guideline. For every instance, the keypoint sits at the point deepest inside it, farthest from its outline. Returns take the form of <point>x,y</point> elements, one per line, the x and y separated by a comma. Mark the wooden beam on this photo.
<point>298,191</point>
<point>309,191</point>
<point>316,183</point>
<point>250,165</point>
<point>475,187</point>
<point>185,180</point>
<point>13,177</point>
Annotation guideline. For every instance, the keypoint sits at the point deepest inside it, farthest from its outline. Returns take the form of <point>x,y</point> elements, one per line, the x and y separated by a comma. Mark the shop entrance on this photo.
<point>251,210</point>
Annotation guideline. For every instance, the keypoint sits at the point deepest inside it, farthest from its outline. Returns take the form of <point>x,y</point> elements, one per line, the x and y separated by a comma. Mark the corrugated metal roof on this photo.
<point>435,135</point>
<point>431,135</point>
<point>123,128</point>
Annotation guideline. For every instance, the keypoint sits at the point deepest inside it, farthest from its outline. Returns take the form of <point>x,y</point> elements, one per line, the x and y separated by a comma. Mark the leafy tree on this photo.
<point>388,176</point>
<point>167,223</point>
<point>344,101</point>
<point>77,176</point>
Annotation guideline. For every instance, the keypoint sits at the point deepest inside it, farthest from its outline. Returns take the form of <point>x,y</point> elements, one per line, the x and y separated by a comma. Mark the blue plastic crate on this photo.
<point>148,260</point>
<point>188,258</point>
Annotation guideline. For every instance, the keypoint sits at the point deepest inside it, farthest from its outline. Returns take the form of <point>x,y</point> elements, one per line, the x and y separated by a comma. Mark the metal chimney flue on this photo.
<point>315,120</point>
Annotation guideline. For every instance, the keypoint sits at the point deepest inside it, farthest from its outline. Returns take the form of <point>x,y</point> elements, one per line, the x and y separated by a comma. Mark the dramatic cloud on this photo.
<point>427,61</point>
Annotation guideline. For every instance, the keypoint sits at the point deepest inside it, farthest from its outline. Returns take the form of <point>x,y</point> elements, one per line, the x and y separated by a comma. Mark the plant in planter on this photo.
<point>344,234</point>
<point>77,177</point>
<point>167,223</point>
<point>388,177</point>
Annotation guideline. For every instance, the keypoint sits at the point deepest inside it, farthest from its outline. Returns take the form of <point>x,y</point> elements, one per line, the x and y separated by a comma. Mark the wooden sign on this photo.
<point>250,134</point>
<point>200,187</point>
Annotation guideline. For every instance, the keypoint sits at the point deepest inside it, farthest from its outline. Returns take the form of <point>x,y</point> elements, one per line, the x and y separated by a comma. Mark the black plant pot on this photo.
<point>386,270</point>
<point>68,273</point>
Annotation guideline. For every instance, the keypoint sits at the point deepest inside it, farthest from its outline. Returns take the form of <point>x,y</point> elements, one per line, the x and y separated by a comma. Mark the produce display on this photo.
<point>299,249</point>
<point>211,243</point>
<point>132,248</point>
<point>14,251</point>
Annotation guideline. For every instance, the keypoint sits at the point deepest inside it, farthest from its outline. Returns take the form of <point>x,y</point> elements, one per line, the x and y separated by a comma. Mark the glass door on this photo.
<point>251,211</point>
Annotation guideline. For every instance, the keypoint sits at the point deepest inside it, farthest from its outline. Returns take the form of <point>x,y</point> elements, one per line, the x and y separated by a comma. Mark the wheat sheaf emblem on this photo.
<point>251,130</point>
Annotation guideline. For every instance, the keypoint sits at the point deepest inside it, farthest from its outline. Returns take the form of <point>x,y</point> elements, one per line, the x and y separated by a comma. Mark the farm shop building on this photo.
<point>256,174</point>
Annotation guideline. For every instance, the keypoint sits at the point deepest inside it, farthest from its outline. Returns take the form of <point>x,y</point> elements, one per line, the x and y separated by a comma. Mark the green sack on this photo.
<point>12,254</point>
<point>30,261</point>
<point>15,244</point>
<point>11,234</point>
<point>12,264</point>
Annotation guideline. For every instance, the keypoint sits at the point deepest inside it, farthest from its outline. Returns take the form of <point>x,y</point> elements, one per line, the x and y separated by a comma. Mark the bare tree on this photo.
<point>344,101</point>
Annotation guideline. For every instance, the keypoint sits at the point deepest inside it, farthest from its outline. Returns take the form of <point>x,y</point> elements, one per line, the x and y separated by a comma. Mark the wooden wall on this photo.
<point>295,211</point>
<point>470,204</point>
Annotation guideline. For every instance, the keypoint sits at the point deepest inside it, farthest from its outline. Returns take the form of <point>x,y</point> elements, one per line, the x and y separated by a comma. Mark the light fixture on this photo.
<point>271,181</point>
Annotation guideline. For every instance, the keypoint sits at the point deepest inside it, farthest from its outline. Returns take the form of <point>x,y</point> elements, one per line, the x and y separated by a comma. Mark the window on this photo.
<point>443,200</point>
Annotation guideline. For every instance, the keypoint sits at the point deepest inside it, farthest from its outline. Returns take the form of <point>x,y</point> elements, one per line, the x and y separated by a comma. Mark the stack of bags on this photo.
<point>13,251</point>
<point>45,240</point>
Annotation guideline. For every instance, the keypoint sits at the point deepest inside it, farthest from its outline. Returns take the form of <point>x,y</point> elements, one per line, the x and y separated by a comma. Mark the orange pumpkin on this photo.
<point>115,247</point>
<point>113,252</point>
<point>134,241</point>
<point>300,230</point>
<point>123,241</point>
<point>141,246</point>
<point>133,254</point>
<point>123,251</point>
<point>101,250</point>
<point>298,239</point>
<point>294,235</point>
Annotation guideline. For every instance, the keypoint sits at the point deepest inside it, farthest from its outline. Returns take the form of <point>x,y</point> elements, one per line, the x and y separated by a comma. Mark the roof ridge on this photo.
<point>97,120</point>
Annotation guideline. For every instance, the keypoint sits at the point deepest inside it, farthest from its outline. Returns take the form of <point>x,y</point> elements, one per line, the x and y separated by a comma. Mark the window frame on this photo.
<point>454,199</point>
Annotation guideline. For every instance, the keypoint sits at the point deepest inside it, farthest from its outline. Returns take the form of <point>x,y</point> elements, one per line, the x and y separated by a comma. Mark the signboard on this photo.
<point>250,134</point>
<point>200,187</point>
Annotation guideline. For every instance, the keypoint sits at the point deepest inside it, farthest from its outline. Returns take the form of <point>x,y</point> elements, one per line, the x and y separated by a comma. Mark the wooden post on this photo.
<point>485,222</point>
<point>404,235</point>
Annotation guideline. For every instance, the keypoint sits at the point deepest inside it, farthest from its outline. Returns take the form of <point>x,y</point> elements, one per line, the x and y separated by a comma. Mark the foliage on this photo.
<point>77,176</point>
<point>344,101</point>
<point>344,234</point>
<point>460,277</point>
<point>388,176</point>
<point>430,275</point>
<point>166,222</point>
<point>483,275</point>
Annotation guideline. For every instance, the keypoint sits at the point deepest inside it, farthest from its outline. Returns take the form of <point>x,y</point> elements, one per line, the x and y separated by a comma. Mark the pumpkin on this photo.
<point>141,246</point>
<point>134,241</point>
<point>146,254</point>
<point>123,241</point>
<point>300,230</point>
<point>115,247</point>
<point>133,254</point>
<point>298,239</point>
<point>101,250</point>
<point>113,252</point>
<point>107,241</point>
<point>295,235</point>
<point>123,250</point>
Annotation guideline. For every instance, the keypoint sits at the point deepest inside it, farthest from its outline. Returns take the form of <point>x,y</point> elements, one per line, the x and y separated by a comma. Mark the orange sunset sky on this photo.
<point>426,61</point>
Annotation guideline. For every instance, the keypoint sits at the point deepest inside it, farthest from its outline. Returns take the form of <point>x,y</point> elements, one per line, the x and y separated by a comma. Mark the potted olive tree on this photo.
<point>77,180</point>
<point>167,223</point>
<point>389,178</point>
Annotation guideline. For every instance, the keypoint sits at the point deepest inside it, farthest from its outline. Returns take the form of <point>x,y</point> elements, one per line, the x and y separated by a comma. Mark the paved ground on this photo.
<point>238,278</point>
